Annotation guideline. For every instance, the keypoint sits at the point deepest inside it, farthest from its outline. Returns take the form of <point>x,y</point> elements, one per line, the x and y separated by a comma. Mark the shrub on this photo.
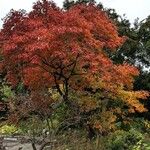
<point>9,130</point>
<point>122,140</point>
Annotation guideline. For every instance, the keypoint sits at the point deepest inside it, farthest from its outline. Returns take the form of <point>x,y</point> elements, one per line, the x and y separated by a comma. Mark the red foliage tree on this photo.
<point>49,47</point>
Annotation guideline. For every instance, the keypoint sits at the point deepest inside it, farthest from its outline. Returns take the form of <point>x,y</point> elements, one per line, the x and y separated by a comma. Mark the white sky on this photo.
<point>132,8</point>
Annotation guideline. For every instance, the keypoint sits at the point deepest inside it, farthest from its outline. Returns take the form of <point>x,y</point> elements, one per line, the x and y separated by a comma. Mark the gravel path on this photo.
<point>26,146</point>
<point>15,144</point>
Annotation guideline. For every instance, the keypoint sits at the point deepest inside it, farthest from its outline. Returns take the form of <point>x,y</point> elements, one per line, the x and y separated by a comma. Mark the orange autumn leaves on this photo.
<point>49,46</point>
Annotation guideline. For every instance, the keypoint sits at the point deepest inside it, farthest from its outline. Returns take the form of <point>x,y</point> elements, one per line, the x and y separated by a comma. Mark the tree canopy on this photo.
<point>51,47</point>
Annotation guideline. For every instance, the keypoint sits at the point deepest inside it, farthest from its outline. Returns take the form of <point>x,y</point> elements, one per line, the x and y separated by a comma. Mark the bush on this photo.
<point>122,140</point>
<point>9,130</point>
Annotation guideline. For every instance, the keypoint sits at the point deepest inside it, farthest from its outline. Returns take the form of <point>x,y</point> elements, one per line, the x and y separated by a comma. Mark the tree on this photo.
<point>69,3</point>
<point>52,48</point>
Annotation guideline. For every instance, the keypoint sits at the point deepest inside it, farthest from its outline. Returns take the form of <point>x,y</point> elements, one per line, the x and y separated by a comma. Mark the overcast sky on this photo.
<point>132,8</point>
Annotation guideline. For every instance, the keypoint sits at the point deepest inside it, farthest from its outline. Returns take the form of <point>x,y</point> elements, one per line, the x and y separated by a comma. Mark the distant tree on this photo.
<point>144,42</point>
<point>69,3</point>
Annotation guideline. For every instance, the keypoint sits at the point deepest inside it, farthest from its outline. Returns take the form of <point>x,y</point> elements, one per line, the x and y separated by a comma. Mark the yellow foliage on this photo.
<point>87,103</point>
<point>131,98</point>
